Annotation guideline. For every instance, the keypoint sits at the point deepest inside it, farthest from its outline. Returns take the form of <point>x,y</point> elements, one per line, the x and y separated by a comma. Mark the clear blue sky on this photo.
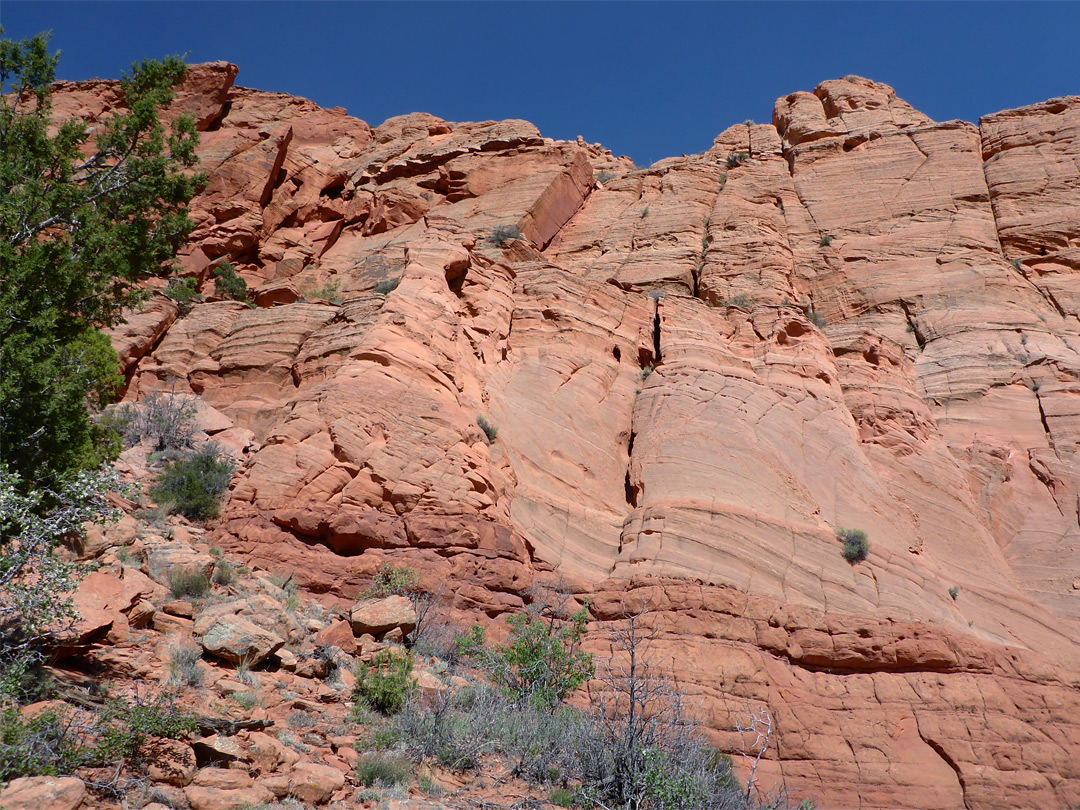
<point>648,80</point>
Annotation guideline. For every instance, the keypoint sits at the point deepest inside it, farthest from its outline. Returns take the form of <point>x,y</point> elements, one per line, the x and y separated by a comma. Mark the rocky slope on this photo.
<point>698,372</point>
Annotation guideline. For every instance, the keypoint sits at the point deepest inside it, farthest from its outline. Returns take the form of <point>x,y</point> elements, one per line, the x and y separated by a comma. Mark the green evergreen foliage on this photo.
<point>227,284</point>
<point>543,662</point>
<point>384,685</point>
<point>50,744</point>
<point>185,292</point>
<point>390,580</point>
<point>856,544</point>
<point>194,483</point>
<point>489,429</point>
<point>35,584</point>
<point>78,230</point>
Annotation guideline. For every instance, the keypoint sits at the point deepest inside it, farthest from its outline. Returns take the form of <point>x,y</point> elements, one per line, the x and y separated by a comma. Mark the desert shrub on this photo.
<point>384,685</point>
<point>184,666</point>
<point>604,176</point>
<point>434,636</point>
<point>542,663</point>
<point>954,592</point>
<point>185,292</point>
<point>330,291</point>
<point>816,318</point>
<point>188,583</point>
<point>124,727</point>
<point>44,745</point>
<point>301,720</point>
<point>390,580</point>
<point>52,744</point>
<point>388,286</point>
<point>224,572</point>
<point>856,544</point>
<point>736,159</point>
<point>166,419</point>
<point>826,241</point>
<point>193,484</point>
<point>246,700</point>
<point>227,284</point>
<point>742,300</point>
<point>646,371</point>
<point>489,429</point>
<point>504,233</point>
<point>562,797</point>
<point>383,769</point>
<point>35,584</point>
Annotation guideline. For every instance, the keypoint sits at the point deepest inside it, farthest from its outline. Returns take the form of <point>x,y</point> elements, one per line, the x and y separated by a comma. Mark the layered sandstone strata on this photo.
<point>853,317</point>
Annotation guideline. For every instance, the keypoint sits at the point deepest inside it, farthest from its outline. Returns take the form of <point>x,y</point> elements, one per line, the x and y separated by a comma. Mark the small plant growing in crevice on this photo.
<point>816,318</point>
<point>742,300</point>
<point>504,233</point>
<point>185,292</point>
<point>383,769</point>
<point>391,580</point>
<point>954,592</point>
<point>329,292</point>
<point>646,371</point>
<point>605,176</point>
<point>736,159</point>
<point>826,240</point>
<point>227,284</point>
<point>387,286</point>
<point>489,429</point>
<point>856,544</point>
<point>1017,265</point>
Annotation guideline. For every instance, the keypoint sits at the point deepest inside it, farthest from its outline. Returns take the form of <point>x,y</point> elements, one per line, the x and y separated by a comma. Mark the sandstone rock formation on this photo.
<point>852,317</point>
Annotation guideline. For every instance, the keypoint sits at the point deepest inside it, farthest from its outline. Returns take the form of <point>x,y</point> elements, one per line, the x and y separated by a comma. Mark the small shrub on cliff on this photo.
<point>391,580</point>
<point>185,292</point>
<point>817,319</point>
<point>388,286</point>
<point>193,484</point>
<point>227,284</point>
<point>504,233</point>
<point>489,429</point>
<point>384,685</point>
<point>856,544</point>
<point>736,159</point>
<point>826,241</point>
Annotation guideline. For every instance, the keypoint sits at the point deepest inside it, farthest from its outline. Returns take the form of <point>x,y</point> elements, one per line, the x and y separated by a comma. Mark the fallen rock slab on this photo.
<point>41,792</point>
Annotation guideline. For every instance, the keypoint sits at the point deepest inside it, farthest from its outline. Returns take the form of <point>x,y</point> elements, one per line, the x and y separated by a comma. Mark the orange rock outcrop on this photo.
<point>853,317</point>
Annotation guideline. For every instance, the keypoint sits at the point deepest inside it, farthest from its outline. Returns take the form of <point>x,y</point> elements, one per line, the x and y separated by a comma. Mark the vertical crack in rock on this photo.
<point>941,752</point>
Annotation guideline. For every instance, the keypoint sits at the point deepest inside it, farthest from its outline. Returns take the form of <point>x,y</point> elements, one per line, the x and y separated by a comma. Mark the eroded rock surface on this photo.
<point>692,375</point>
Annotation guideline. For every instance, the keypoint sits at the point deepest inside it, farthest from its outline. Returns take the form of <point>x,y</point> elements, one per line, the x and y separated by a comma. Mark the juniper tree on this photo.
<point>84,216</point>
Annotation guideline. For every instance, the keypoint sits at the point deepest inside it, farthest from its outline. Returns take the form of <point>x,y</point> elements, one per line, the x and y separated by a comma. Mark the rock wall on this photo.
<point>852,317</point>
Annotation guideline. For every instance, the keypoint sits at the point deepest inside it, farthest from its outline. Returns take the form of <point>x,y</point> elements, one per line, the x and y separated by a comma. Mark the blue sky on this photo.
<point>648,80</point>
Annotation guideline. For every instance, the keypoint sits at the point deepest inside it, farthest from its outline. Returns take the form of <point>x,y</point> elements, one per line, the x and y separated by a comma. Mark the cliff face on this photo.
<point>698,372</point>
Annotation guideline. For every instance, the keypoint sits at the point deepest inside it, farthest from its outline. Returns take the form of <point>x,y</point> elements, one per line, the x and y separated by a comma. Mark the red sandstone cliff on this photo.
<point>935,403</point>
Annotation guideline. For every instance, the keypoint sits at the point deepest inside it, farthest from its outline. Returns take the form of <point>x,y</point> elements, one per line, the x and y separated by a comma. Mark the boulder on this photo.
<point>169,761</point>
<point>224,789</point>
<point>43,792</point>
<point>237,639</point>
<point>379,616</point>
<point>314,783</point>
